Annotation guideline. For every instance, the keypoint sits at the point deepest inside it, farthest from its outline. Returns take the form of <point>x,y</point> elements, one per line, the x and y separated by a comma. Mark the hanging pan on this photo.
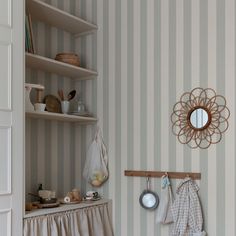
<point>149,199</point>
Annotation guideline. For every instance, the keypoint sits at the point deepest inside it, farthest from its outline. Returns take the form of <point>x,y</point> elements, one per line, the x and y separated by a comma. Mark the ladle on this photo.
<point>71,95</point>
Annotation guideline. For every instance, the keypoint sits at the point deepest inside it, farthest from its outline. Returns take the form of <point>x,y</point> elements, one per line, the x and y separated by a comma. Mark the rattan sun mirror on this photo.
<point>200,118</point>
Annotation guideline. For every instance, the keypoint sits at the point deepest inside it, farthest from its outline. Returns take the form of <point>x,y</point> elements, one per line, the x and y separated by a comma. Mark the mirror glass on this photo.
<point>149,200</point>
<point>199,118</point>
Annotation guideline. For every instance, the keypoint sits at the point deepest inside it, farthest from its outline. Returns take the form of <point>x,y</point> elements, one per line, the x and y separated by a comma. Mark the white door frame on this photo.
<point>12,116</point>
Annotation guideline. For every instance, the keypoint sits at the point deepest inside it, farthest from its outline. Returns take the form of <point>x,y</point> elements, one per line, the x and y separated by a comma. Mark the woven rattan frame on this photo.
<point>218,114</point>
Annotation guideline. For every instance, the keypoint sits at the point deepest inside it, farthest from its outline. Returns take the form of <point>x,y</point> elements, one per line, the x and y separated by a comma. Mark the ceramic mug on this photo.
<point>93,194</point>
<point>65,106</point>
<point>39,106</point>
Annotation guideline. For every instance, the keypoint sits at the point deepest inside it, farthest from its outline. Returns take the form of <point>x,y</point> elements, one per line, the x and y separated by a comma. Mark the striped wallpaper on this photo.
<point>147,54</point>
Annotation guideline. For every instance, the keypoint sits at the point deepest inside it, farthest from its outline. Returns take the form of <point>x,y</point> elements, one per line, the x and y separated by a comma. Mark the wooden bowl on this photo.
<point>69,58</point>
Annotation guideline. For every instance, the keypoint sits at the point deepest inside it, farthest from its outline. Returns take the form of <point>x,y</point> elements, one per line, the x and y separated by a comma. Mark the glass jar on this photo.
<point>80,107</point>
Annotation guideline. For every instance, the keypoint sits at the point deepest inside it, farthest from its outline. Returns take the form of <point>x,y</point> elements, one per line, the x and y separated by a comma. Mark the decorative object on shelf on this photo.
<point>71,95</point>
<point>81,110</point>
<point>200,118</point>
<point>39,107</point>
<point>65,107</point>
<point>45,199</point>
<point>65,103</point>
<point>28,87</point>
<point>148,199</point>
<point>53,104</point>
<point>96,164</point>
<point>29,41</point>
<point>61,94</point>
<point>92,196</point>
<point>72,197</point>
<point>69,58</point>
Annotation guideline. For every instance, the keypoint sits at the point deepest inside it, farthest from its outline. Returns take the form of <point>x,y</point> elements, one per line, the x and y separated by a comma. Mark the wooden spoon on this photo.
<point>61,94</point>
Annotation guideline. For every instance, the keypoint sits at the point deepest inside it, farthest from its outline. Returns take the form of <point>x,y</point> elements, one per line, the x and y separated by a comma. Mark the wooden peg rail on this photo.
<point>159,174</point>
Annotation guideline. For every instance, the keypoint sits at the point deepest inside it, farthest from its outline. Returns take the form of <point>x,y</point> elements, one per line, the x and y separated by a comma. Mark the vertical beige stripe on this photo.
<point>27,156</point>
<point>66,157</point>
<point>150,84</point>
<point>179,75</point>
<point>164,90</point>
<point>137,114</point>
<point>89,9</point>
<point>100,67</point>
<point>89,61</point>
<point>40,123</point>
<point>77,7</point>
<point>40,154</point>
<point>100,63</point>
<point>88,52</point>
<point>54,88</point>
<point>195,68</point>
<point>78,168</point>
<point>212,150</point>
<point>230,134</point>
<point>124,127</point>
<point>164,85</point>
<point>112,118</point>
<point>66,126</point>
<point>150,100</point>
<point>66,6</point>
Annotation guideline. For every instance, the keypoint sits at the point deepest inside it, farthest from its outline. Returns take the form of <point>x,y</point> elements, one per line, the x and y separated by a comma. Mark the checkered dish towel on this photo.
<point>186,210</point>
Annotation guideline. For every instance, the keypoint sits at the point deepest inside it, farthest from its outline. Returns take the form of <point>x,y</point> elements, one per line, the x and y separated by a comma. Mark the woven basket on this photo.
<point>70,58</point>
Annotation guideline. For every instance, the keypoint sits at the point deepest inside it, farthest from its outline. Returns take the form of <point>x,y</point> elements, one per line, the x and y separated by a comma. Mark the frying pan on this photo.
<point>148,199</point>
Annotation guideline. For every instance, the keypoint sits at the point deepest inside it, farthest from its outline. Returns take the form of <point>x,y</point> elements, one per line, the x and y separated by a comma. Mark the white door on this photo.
<point>11,116</point>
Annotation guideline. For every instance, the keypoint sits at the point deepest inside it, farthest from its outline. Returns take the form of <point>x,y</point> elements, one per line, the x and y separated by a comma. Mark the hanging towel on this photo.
<point>186,210</point>
<point>164,215</point>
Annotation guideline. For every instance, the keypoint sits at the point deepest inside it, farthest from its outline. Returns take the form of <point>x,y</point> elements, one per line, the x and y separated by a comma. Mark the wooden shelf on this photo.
<point>51,15</point>
<point>60,117</point>
<point>57,67</point>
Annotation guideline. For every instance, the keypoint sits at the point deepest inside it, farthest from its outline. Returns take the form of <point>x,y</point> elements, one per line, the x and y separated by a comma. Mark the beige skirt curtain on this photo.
<point>89,221</point>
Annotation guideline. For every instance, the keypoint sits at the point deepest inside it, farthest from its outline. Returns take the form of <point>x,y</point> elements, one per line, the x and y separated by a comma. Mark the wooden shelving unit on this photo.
<point>41,11</point>
<point>46,64</point>
<point>61,117</point>
<point>51,15</point>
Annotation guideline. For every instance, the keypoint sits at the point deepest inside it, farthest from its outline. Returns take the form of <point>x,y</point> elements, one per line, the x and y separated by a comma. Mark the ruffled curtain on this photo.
<point>89,221</point>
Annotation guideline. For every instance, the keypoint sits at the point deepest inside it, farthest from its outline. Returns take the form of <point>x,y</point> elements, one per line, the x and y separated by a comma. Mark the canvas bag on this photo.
<point>164,215</point>
<point>96,165</point>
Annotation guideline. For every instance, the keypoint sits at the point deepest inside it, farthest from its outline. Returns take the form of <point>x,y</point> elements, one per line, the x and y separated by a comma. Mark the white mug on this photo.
<point>65,105</point>
<point>39,106</point>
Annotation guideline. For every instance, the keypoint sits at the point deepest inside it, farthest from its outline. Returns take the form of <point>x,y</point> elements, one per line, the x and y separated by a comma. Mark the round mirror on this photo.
<point>199,118</point>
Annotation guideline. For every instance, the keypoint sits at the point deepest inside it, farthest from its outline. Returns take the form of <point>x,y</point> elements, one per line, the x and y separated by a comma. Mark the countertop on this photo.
<point>64,207</point>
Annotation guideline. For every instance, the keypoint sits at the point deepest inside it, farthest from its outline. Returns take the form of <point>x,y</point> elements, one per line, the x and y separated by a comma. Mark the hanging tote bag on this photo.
<point>96,165</point>
<point>164,215</point>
